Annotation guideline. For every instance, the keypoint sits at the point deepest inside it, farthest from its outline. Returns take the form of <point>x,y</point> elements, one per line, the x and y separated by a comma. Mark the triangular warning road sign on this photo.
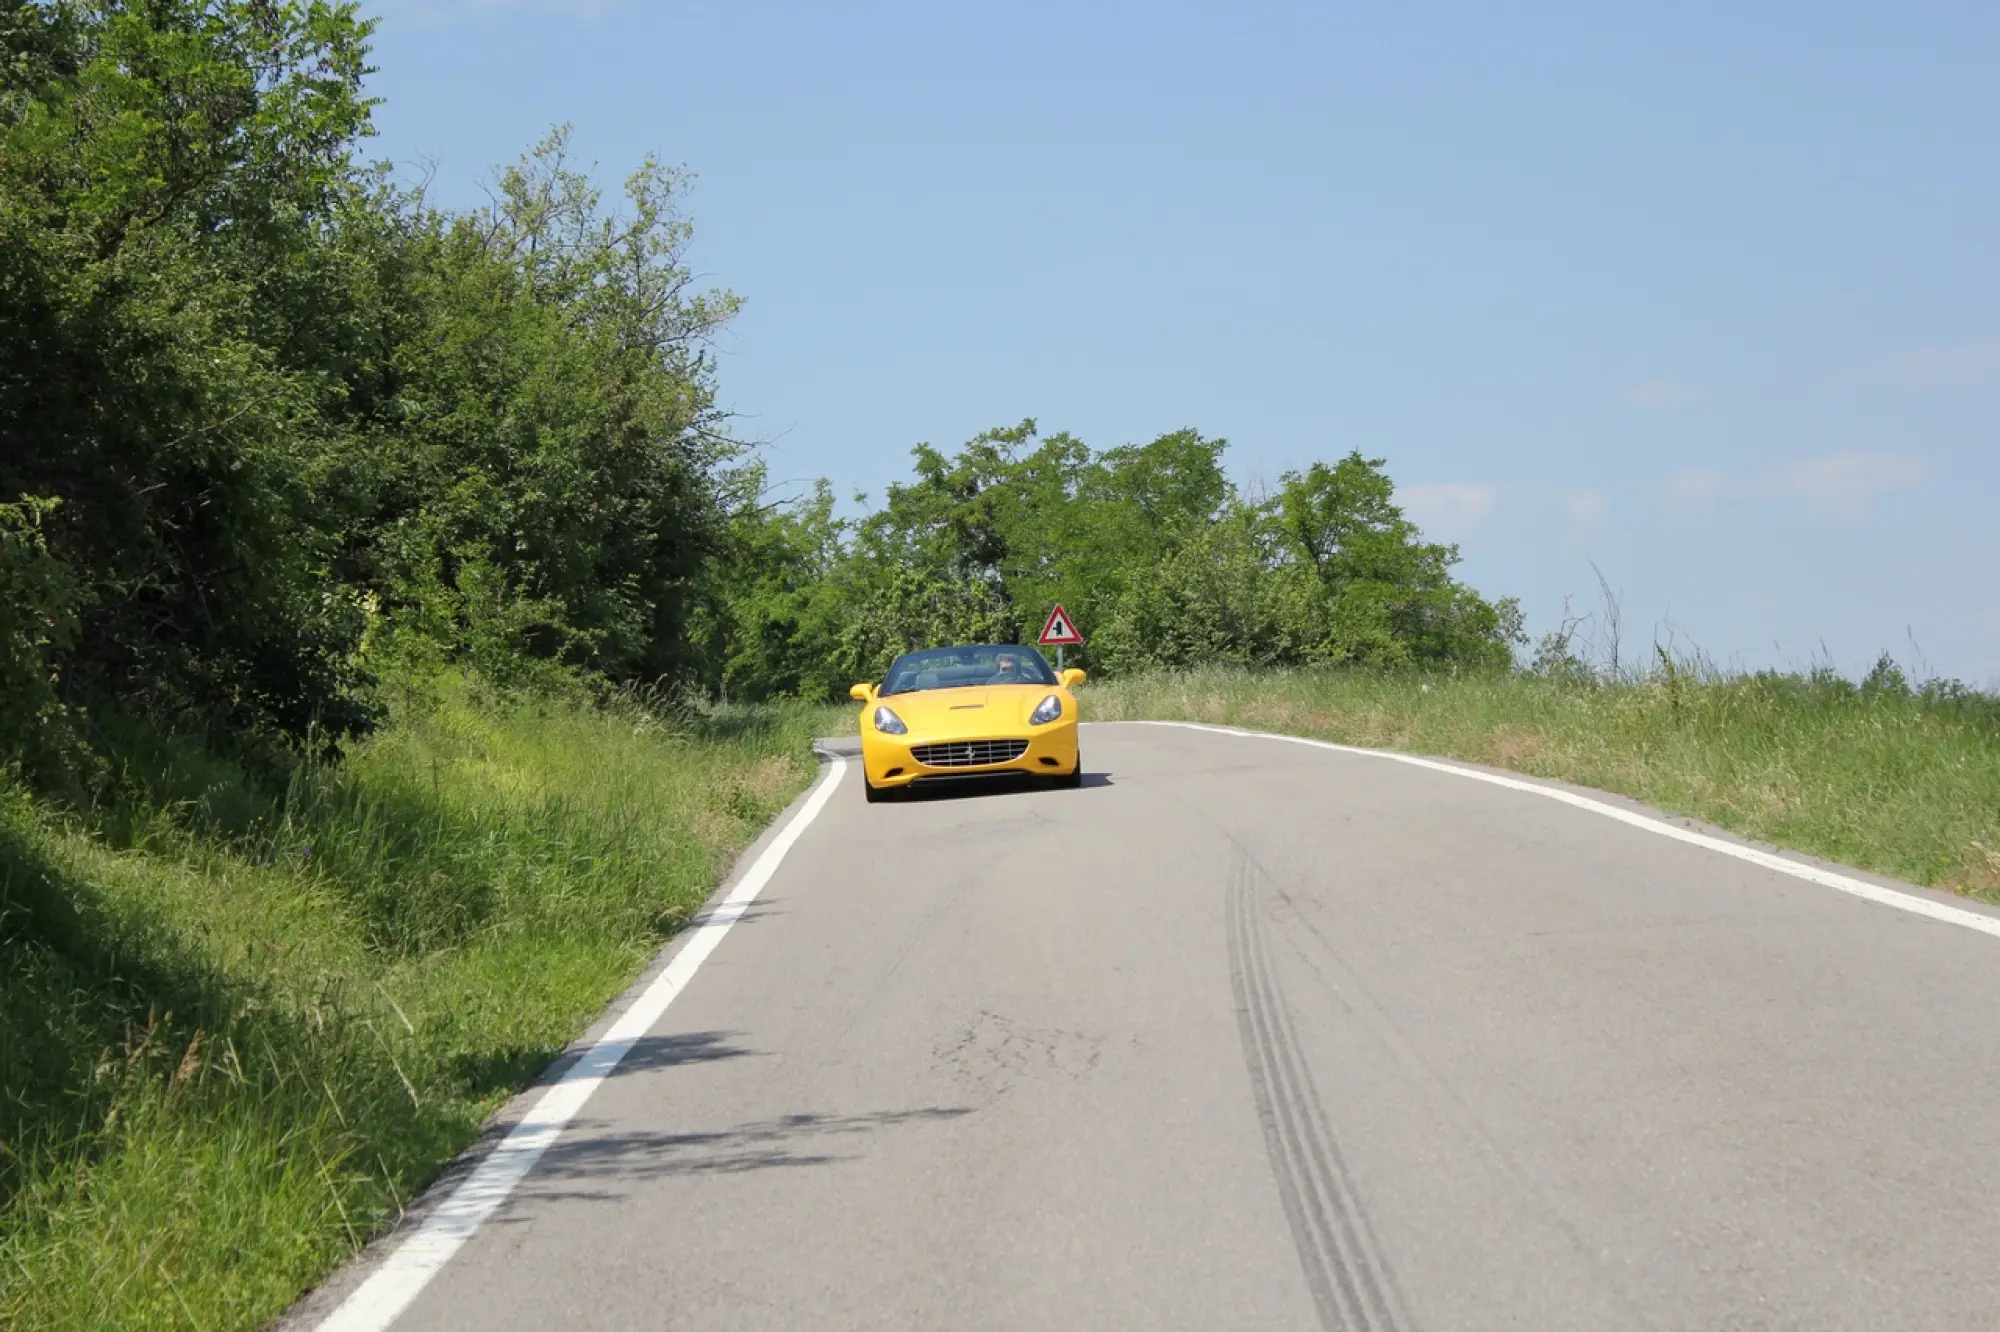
<point>1059,631</point>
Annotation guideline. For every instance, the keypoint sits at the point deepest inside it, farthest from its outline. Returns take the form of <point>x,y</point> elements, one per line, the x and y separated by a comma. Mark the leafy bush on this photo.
<point>1149,545</point>
<point>270,396</point>
<point>165,171</point>
<point>38,604</point>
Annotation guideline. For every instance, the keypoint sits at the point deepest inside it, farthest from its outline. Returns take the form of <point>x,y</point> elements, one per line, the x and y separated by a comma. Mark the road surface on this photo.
<point>1251,1035</point>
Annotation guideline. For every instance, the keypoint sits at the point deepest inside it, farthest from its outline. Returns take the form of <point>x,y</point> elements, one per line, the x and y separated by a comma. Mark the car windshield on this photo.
<point>961,667</point>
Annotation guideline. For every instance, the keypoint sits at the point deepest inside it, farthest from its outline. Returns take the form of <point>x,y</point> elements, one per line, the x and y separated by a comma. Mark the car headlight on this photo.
<point>1046,711</point>
<point>888,723</point>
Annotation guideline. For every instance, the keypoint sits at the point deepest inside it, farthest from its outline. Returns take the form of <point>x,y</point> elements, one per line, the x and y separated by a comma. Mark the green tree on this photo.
<point>1387,596</point>
<point>167,170</point>
<point>1220,596</point>
<point>1156,554</point>
<point>38,606</point>
<point>542,475</point>
<point>768,622</point>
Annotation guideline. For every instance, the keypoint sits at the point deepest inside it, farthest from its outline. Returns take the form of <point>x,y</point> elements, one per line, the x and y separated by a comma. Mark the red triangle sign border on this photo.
<point>1060,630</point>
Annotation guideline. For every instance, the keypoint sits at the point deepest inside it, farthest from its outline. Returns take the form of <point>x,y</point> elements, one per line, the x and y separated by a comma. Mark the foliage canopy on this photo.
<point>273,422</point>
<point>1149,546</point>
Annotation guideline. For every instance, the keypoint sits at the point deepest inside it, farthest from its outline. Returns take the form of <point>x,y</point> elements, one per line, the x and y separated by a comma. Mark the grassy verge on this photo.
<point>237,1032</point>
<point>1881,778</point>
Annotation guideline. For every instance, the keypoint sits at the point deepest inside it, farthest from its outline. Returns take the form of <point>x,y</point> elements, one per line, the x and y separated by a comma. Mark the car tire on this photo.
<point>872,793</point>
<point>1073,779</point>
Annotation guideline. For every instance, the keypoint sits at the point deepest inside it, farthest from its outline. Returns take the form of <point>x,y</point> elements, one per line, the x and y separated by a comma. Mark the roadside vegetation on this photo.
<point>1881,775</point>
<point>352,748</point>
<point>240,1027</point>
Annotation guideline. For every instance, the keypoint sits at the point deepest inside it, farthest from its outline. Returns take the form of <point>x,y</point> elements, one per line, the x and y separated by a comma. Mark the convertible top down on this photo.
<point>971,711</point>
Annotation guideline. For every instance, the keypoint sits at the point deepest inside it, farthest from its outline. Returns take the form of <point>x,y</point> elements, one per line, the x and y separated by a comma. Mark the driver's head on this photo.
<point>1006,663</point>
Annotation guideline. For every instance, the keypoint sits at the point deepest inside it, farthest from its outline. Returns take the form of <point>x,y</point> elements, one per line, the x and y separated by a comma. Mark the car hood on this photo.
<point>970,713</point>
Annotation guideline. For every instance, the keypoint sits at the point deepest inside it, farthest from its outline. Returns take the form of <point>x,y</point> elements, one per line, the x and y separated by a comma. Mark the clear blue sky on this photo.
<point>1706,293</point>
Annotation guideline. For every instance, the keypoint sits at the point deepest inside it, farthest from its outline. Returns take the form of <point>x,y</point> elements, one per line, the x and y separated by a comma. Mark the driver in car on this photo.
<point>1007,669</point>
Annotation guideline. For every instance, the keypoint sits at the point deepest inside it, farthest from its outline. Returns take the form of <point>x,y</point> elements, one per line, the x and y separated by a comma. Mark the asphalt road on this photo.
<point>1248,1035</point>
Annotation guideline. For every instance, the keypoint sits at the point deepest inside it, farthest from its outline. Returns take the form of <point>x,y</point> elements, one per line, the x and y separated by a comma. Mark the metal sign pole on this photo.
<point>1059,648</point>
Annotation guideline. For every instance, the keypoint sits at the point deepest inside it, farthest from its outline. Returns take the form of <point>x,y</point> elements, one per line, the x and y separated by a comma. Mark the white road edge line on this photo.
<point>1872,892</point>
<point>377,1302</point>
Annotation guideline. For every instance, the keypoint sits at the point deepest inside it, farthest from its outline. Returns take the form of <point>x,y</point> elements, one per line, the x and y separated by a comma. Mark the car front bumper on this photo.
<point>889,761</point>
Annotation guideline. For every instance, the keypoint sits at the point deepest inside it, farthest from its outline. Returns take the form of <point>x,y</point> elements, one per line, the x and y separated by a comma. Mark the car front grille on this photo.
<point>968,753</point>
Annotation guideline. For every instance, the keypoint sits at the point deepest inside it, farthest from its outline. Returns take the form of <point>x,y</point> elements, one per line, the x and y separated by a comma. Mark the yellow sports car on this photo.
<point>968,712</point>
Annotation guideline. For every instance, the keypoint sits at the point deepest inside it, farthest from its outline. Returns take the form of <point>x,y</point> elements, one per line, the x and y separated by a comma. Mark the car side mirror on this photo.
<point>861,693</point>
<point>1073,677</point>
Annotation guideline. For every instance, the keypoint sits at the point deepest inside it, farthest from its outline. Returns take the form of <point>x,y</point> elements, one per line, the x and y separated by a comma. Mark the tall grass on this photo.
<point>1901,781</point>
<point>238,1030</point>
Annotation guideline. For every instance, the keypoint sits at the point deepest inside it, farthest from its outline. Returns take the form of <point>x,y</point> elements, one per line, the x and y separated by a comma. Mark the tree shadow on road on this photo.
<point>595,1151</point>
<point>687,1047</point>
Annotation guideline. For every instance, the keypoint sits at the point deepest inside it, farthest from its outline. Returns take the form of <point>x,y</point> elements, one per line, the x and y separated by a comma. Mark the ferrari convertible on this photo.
<point>957,712</point>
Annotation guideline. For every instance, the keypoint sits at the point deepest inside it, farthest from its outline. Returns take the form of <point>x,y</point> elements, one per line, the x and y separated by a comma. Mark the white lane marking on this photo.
<point>1890,897</point>
<point>392,1286</point>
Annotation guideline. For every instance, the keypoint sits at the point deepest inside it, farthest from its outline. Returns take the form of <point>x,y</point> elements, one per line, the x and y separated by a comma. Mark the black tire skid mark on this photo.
<point>1338,1251</point>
